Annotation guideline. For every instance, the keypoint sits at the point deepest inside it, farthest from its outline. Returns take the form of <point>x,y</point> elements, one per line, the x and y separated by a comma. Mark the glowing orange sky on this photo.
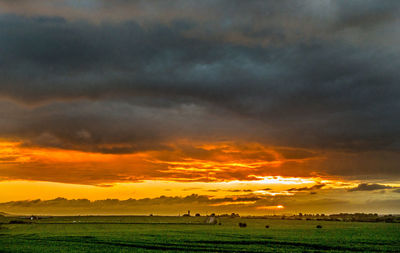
<point>183,162</point>
<point>210,164</point>
<point>234,176</point>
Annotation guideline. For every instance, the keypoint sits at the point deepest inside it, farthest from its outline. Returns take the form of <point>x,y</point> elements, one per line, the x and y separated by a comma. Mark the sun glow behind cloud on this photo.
<point>270,207</point>
<point>281,180</point>
<point>225,163</point>
<point>234,203</point>
<point>217,162</point>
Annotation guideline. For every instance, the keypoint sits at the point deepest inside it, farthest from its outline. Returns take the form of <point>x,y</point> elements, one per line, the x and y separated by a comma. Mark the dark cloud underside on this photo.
<point>134,76</point>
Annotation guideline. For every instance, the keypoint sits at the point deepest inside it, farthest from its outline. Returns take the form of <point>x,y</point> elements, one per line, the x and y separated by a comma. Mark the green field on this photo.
<point>175,234</point>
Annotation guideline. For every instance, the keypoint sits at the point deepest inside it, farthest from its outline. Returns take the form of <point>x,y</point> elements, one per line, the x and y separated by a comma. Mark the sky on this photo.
<point>257,107</point>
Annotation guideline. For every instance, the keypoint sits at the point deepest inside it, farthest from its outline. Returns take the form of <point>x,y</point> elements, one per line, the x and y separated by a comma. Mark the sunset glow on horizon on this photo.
<point>227,174</point>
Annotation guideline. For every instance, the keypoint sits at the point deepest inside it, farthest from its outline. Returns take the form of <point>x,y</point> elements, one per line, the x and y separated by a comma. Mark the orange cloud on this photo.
<point>182,161</point>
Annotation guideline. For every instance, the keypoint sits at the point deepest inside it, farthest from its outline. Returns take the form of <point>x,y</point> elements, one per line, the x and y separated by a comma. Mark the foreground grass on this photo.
<point>174,234</point>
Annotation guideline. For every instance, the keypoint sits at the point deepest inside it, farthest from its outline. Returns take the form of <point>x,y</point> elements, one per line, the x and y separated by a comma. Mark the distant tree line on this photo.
<point>347,217</point>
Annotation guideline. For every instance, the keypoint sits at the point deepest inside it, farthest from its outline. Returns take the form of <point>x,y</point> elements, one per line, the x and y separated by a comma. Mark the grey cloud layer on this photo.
<point>313,74</point>
<point>369,187</point>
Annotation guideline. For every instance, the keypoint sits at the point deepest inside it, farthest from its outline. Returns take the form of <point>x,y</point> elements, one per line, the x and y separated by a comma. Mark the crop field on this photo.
<point>190,234</point>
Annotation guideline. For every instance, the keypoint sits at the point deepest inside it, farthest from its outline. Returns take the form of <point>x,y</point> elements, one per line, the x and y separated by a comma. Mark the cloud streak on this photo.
<point>370,187</point>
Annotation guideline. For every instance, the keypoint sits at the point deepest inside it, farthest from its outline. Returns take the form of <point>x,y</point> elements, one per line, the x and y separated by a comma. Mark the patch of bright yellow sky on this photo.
<point>24,190</point>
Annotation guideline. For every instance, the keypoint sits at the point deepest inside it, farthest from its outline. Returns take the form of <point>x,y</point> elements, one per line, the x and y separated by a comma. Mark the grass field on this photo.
<point>174,234</point>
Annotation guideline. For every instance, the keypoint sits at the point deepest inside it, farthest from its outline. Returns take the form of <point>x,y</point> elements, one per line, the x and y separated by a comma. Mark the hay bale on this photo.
<point>211,220</point>
<point>242,225</point>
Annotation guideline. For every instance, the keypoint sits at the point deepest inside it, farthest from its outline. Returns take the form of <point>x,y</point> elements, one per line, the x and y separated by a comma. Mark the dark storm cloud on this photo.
<point>295,153</point>
<point>109,126</point>
<point>339,95</point>
<point>369,187</point>
<point>82,126</point>
<point>129,76</point>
